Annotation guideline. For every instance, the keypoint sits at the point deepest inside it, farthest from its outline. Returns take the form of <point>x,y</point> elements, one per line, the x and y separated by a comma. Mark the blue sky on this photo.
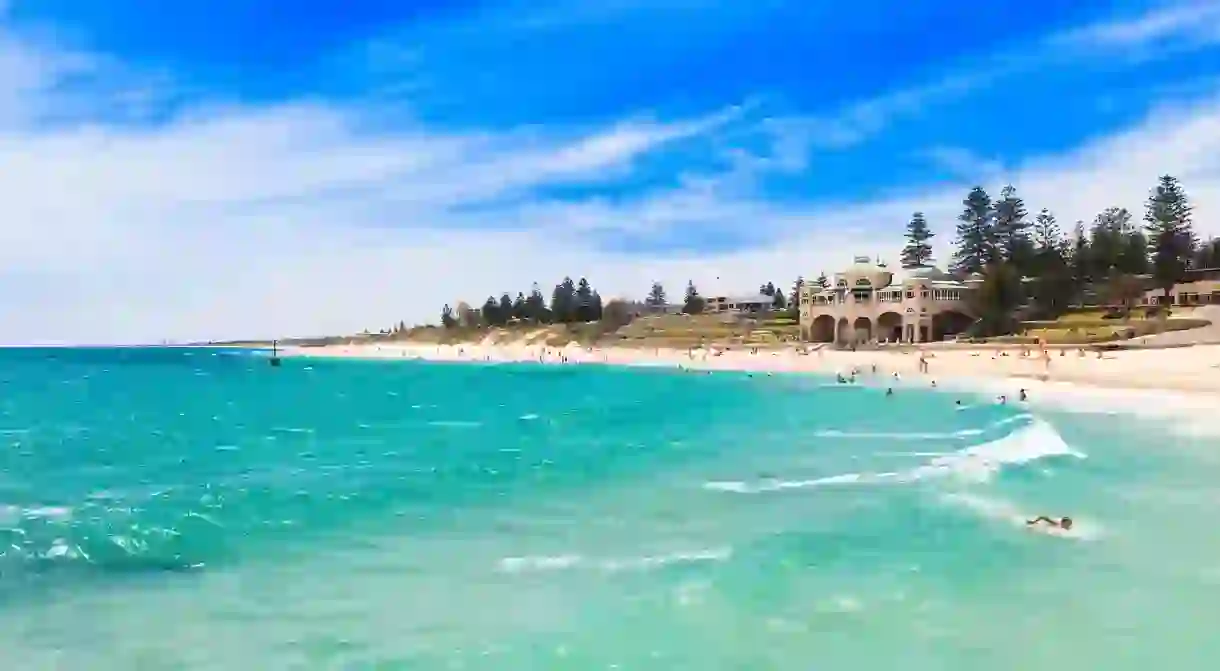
<point>230,167</point>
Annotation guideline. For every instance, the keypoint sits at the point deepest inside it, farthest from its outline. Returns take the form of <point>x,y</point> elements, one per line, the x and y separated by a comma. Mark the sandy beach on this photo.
<point>1150,381</point>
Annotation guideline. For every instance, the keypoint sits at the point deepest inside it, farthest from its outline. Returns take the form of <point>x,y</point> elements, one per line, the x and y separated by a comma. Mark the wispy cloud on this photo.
<point>1191,23</point>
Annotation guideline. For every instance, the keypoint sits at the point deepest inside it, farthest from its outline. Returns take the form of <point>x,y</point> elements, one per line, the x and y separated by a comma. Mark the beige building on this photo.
<point>867,302</point>
<point>751,303</point>
<point>1202,287</point>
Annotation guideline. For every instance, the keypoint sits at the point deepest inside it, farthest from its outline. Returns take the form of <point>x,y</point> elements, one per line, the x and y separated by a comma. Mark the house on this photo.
<point>746,304</point>
<point>867,302</point>
<point>1199,287</point>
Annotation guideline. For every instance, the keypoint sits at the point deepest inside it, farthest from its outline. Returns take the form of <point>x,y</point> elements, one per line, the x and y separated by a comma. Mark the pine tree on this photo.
<point>1013,243</point>
<point>505,312</point>
<point>582,310</point>
<point>520,311</point>
<point>822,282</point>
<point>778,303</point>
<point>535,306</point>
<point>597,308</point>
<point>693,302</point>
<point>563,302</point>
<point>1080,255</point>
<point>656,296</point>
<point>918,251</point>
<point>1108,238</point>
<point>448,320</point>
<point>794,298</point>
<point>1171,238</point>
<point>1046,233</point>
<point>976,244</point>
<point>490,310</point>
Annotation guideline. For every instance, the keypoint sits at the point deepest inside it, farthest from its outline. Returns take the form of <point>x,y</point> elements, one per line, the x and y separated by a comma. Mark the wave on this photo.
<point>977,463</point>
<point>43,539</point>
<point>571,561</point>
<point>898,435</point>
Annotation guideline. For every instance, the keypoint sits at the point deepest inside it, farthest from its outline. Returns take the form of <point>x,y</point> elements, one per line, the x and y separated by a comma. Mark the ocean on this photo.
<point>199,509</point>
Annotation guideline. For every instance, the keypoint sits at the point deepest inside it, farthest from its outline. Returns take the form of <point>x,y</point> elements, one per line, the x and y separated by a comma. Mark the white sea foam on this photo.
<point>977,463</point>
<point>571,561</point>
<point>897,435</point>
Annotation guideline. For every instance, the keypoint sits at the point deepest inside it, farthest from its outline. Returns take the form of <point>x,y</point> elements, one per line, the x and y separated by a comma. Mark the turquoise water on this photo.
<point>191,509</point>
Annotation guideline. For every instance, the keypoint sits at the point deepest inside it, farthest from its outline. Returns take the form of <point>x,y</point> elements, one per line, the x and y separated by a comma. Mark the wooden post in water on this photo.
<point>275,350</point>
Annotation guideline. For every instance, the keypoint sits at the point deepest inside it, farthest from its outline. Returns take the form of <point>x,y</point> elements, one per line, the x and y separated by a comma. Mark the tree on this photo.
<point>491,311</point>
<point>1123,290</point>
<point>1208,254</point>
<point>1012,239</point>
<point>596,308</point>
<point>447,319</point>
<point>563,302</point>
<point>794,298</point>
<point>1108,241</point>
<point>976,246</point>
<point>1133,258</point>
<point>1171,238</point>
<point>520,310</point>
<point>1079,255</point>
<point>535,306</point>
<point>767,289</point>
<point>582,308</point>
<point>693,302</point>
<point>918,251</point>
<point>505,311</point>
<point>821,282</point>
<point>777,299</point>
<point>616,315</point>
<point>997,299</point>
<point>656,296</point>
<point>1053,287</point>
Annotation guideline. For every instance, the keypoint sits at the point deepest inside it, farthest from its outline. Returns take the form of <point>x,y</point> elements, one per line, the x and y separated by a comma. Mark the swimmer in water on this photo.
<point>1064,523</point>
<point>1024,396</point>
<point>889,392</point>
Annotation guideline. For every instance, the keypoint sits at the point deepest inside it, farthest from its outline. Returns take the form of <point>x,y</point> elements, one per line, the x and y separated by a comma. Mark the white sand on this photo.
<point>1172,382</point>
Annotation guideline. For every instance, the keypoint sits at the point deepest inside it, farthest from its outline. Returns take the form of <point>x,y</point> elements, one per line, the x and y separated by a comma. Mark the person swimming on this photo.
<point>1064,523</point>
<point>889,392</point>
<point>1024,396</point>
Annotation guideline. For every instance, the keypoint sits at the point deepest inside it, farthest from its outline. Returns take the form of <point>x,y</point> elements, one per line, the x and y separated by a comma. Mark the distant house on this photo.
<point>744,304</point>
<point>644,308</point>
<point>1199,287</point>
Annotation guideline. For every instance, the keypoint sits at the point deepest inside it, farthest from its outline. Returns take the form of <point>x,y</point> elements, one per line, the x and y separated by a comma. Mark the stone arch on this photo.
<point>949,323</point>
<point>843,334</point>
<point>889,327</point>
<point>822,329</point>
<point>862,329</point>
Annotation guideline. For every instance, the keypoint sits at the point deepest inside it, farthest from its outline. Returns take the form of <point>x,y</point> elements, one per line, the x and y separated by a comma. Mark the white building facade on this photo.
<point>867,303</point>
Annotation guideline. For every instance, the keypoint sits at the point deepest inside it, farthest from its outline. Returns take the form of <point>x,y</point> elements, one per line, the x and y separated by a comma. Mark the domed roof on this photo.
<point>930,273</point>
<point>864,266</point>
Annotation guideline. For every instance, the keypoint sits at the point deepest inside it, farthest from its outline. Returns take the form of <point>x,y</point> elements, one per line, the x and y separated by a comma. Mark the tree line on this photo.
<point>570,302</point>
<point>1027,263</point>
<point>1032,263</point>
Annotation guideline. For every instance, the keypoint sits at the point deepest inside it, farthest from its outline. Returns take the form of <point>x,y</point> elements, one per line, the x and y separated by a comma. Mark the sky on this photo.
<point>209,169</point>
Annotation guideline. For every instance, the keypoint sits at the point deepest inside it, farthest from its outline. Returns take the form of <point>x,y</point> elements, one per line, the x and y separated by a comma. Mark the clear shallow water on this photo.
<point>190,509</point>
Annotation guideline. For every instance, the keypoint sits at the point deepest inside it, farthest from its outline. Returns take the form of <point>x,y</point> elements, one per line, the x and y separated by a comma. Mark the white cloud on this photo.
<point>232,221</point>
<point>1189,23</point>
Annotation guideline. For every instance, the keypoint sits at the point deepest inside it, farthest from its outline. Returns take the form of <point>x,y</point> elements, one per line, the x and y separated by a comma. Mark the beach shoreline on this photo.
<point>1169,382</point>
